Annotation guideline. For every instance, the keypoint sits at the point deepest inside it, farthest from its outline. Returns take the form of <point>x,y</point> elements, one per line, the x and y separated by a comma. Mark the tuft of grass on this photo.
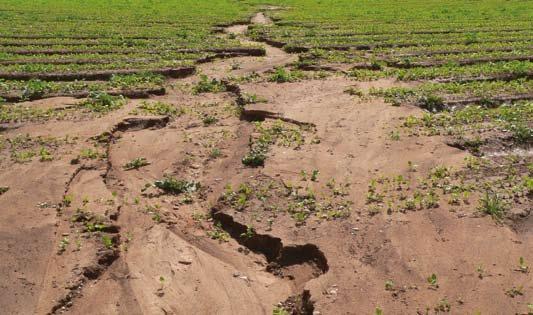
<point>215,153</point>
<point>209,120</point>
<point>492,205</point>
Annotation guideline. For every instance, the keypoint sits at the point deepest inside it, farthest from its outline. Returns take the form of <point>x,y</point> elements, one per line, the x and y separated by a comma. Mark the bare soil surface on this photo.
<point>80,234</point>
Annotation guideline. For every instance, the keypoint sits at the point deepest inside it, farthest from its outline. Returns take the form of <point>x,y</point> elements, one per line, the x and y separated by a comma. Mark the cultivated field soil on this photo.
<point>275,157</point>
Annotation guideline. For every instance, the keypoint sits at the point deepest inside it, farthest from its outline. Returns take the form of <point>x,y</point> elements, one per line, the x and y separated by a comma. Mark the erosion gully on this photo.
<point>171,267</point>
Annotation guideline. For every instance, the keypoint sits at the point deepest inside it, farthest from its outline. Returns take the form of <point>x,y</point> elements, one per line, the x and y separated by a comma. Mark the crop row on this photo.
<point>17,90</point>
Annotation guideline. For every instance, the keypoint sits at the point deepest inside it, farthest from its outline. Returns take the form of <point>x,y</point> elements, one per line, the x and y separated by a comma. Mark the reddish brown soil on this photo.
<point>162,261</point>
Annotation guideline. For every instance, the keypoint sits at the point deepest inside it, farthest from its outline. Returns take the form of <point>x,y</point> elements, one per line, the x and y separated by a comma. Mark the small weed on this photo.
<point>67,200</point>
<point>492,205</point>
<point>208,86</point>
<point>159,108</point>
<point>254,158</point>
<point>156,217</point>
<point>443,306</point>
<point>250,232</point>
<point>281,75</point>
<point>136,164</point>
<point>522,266</point>
<point>217,233</point>
<point>102,102</point>
<point>35,89</point>
<point>22,156</point>
<point>389,285</point>
<point>354,91</point>
<point>174,186</point>
<point>45,155</point>
<point>432,280</point>
<point>432,103</point>
<point>215,153</point>
<point>63,245</point>
<point>515,291</point>
<point>209,120</point>
<point>314,175</point>
<point>107,241</point>
<point>3,190</point>
<point>280,311</point>
<point>394,135</point>
<point>247,98</point>
<point>89,154</point>
<point>480,271</point>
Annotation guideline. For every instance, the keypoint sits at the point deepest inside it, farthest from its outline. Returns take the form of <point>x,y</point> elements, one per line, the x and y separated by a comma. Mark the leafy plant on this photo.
<point>63,245</point>
<point>281,75</point>
<point>254,158</point>
<point>102,102</point>
<point>89,153</point>
<point>174,186</point>
<point>432,280</point>
<point>280,311</point>
<point>35,89</point>
<point>208,86</point>
<point>217,233</point>
<point>107,241</point>
<point>250,232</point>
<point>45,155</point>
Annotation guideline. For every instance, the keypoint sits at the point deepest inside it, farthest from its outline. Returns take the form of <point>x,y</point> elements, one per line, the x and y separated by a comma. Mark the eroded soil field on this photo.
<point>235,192</point>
